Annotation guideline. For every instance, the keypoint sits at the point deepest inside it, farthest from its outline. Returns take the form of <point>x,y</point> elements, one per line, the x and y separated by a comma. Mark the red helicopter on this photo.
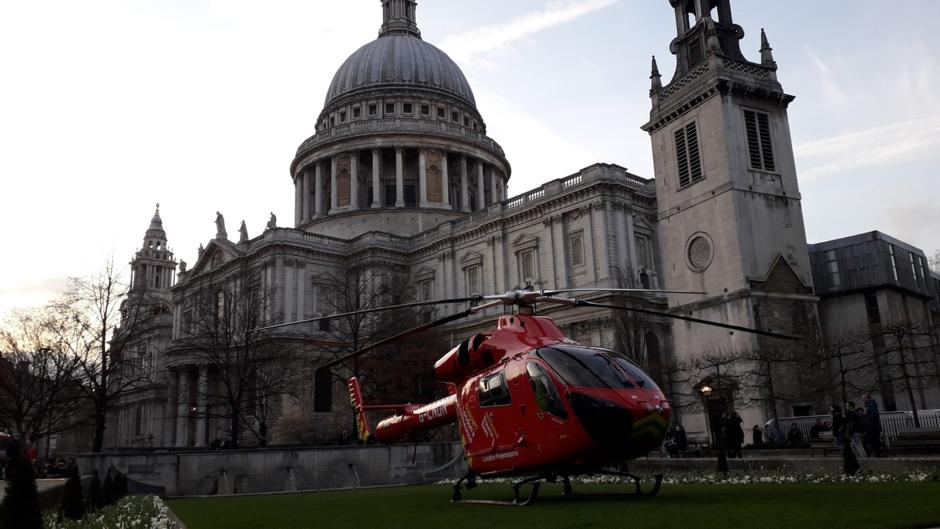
<point>531,402</point>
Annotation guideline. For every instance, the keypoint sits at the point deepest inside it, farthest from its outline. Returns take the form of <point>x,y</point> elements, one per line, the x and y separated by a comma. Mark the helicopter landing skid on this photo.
<point>518,500</point>
<point>657,484</point>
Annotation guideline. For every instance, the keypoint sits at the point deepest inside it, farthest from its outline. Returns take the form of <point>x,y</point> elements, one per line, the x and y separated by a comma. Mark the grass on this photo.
<point>803,506</point>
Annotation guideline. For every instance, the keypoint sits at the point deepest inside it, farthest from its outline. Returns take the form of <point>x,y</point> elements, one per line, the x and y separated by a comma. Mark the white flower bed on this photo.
<point>756,477</point>
<point>132,512</point>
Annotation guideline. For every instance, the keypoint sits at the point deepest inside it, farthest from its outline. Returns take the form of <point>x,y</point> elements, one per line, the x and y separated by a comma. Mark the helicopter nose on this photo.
<point>608,423</point>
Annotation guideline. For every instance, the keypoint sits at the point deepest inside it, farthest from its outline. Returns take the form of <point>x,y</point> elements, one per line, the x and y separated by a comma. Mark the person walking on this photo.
<point>873,431</point>
<point>854,430</point>
<point>842,438</point>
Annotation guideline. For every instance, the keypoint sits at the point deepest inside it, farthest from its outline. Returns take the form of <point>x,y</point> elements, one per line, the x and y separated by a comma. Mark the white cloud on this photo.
<point>827,80</point>
<point>904,141</point>
<point>463,46</point>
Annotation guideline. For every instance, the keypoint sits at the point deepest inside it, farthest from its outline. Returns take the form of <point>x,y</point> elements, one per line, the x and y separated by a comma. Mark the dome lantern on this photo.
<point>398,18</point>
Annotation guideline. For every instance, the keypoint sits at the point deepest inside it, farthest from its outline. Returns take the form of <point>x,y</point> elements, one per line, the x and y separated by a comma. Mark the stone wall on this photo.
<point>289,469</point>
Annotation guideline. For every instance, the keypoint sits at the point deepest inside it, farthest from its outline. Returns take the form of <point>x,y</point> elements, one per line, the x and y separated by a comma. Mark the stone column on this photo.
<point>481,186</point>
<point>202,399</point>
<point>378,194</point>
<point>399,178</point>
<point>354,180</point>
<point>169,408</point>
<point>464,186</point>
<point>493,186</point>
<point>301,285</point>
<point>445,177</point>
<point>299,200</point>
<point>318,191</point>
<point>422,179</point>
<point>333,194</point>
<point>182,407</point>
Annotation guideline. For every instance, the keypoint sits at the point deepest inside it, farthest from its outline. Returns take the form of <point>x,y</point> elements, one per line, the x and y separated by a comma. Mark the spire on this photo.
<point>766,52</point>
<point>398,18</point>
<point>155,231</point>
<point>656,80</point>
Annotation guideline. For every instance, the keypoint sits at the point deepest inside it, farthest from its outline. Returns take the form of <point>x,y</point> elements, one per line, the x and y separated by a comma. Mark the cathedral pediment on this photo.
<point>781,278</point>
<point>424,273</point>
<point>525,241</point>
<point>217,253</point>
<point>471,259</point>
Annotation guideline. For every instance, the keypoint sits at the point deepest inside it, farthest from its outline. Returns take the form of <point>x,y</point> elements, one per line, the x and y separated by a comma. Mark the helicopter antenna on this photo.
<point>410,332</point>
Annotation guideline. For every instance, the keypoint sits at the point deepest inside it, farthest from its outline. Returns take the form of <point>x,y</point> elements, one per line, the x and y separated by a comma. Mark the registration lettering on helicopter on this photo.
<point>431,414</point>
<point>502,455</point>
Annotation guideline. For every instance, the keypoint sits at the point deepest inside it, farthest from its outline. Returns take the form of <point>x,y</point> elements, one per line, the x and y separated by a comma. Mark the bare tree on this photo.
<point>39,383</point>
<point>89,325</point>
<point>251,368</point>
<point>397,371</point>
<point>847,363</point>
<point>935,261</point>
<point>908,355</point>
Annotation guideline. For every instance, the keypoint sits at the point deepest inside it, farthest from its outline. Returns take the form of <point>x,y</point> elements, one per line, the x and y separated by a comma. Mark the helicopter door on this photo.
<point>545,420</point>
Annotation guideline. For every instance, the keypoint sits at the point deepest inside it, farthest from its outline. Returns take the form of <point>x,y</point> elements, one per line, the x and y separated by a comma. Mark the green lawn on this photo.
<point>824,506</point>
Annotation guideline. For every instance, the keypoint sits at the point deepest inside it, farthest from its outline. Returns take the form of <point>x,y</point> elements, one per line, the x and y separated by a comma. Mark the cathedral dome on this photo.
<point>400,61</point>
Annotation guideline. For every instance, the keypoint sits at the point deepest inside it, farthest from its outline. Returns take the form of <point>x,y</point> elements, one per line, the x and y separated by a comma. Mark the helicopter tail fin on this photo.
<point>355,395</point>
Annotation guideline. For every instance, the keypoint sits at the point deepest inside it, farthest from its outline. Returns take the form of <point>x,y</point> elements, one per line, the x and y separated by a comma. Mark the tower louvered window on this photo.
<point>759,146</point>
<point>688,156</point>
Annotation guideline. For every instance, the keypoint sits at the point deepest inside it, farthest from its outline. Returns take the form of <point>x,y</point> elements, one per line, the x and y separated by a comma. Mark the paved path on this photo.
<point>41,484</point>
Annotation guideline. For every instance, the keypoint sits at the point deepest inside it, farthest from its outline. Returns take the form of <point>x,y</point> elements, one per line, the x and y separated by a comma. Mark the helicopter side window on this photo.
<point>494,391</point>
<point>545,393</point>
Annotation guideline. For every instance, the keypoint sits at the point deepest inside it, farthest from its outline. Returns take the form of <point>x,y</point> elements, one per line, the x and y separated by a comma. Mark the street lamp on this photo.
<point>706,390</point>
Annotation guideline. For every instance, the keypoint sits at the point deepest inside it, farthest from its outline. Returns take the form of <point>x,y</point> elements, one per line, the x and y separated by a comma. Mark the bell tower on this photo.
<point>729,205</point>
<point>153,267</point>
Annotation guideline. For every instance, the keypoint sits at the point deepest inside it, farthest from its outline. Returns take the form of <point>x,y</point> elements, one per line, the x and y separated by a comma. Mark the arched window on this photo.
<point>323,391</point>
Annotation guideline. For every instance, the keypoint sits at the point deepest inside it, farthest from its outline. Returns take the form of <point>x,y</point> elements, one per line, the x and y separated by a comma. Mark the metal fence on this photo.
<point>892,423</point>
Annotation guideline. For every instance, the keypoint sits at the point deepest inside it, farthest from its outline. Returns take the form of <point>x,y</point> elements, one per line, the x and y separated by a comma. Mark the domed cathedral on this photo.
<point>400,195</point>
<point>142,338</point>
<point>400,146</point>
<point>729,211</point>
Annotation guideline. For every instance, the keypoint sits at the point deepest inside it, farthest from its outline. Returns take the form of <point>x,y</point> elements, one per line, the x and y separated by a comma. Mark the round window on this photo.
<point>700,252</point>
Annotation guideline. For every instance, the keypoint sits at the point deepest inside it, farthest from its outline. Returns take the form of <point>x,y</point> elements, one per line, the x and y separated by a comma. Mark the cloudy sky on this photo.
<point>108,106</point>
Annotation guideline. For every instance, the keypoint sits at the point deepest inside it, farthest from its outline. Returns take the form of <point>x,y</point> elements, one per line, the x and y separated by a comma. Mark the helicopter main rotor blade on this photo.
<point>618,291</point>
<point>582,303</point>
<point>376,309</point>
<point>411,332</point>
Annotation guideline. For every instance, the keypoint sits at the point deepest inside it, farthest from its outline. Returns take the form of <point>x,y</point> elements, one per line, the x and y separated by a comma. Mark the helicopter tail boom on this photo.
<point>414,419</point>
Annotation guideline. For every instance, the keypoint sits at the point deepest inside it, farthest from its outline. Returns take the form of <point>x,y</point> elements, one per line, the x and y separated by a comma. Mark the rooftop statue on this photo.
<point>220,232</point>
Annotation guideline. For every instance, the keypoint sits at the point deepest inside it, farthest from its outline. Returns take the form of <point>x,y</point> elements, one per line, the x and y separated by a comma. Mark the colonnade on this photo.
<point>188,390</point>
<point>335,184</point>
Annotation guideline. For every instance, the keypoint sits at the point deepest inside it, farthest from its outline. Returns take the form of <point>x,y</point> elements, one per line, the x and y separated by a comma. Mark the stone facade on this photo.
<point>401,180</point>
<point>729,212</point>
<point>440,218</point>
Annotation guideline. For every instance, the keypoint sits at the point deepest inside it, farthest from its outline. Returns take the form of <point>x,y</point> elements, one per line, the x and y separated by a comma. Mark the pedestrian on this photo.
<point>682,442</point>
<point>841,434</point>
<point>757,436</point>
<point>838,421</point>
<point>854,430</point>
<point>794,436</point>
<point>737,434</point>
<point>873,424</point>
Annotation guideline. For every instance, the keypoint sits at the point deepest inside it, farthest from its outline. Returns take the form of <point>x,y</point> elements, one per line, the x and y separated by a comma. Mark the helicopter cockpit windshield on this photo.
<point>578,366</point>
